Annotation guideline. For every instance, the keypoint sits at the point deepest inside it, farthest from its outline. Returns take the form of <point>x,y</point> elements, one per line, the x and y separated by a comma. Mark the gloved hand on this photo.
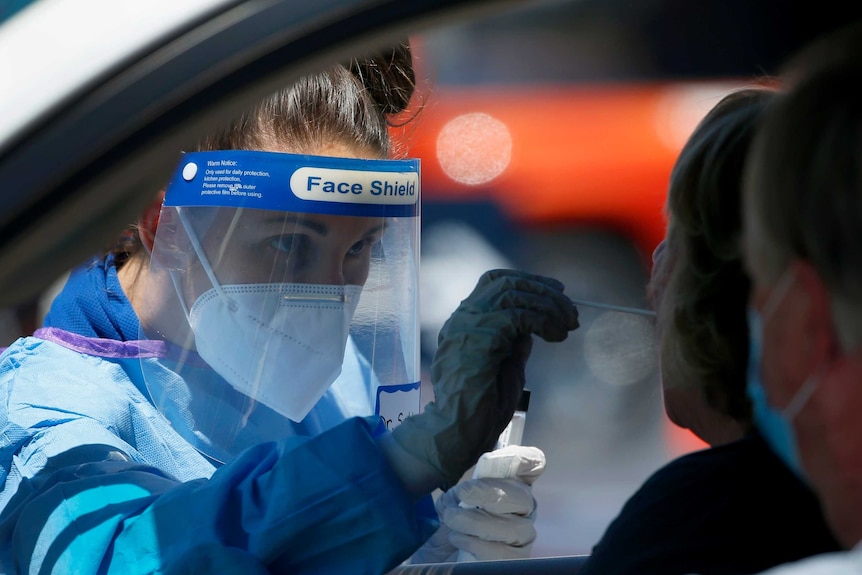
<point>478,369</point>
<point>489,517</point>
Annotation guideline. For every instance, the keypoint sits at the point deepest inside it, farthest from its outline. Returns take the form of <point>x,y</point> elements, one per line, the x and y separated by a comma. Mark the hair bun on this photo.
<point>388,76</point>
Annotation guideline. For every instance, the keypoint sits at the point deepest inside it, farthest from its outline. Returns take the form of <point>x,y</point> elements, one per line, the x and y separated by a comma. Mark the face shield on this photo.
<point>285,289</point>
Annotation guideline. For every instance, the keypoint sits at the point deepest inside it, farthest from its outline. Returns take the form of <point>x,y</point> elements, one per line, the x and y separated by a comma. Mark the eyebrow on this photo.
<point>318,227</point>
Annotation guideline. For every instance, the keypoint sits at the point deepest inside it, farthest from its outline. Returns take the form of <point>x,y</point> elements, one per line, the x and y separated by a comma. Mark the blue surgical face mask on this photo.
<point>775,425</point>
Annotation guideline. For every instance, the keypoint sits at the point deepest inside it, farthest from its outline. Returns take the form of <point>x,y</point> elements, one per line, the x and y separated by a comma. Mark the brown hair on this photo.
<point>353,104</point>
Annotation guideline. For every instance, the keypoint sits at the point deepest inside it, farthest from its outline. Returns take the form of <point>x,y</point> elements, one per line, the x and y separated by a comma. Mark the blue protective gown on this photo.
<point>95,480</point>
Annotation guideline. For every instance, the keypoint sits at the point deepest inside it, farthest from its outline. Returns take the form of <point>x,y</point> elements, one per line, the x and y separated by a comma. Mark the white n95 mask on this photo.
<point>281,344</point>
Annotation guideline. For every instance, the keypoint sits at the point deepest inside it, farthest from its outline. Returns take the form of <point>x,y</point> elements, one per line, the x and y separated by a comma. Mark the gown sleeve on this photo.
<point>326,504</point>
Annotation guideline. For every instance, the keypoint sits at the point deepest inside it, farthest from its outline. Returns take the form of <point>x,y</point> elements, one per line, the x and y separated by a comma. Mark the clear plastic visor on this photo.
<point>280,323</point>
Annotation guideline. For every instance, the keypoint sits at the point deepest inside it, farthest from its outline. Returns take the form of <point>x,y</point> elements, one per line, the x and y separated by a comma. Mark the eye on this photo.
<point>286,243</point>
<point>297,248</point>
<point>367,244</point>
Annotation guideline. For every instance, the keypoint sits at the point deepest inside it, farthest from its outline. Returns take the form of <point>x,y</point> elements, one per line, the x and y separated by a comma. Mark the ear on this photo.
<point>818,328</point>
<point>149,221</point>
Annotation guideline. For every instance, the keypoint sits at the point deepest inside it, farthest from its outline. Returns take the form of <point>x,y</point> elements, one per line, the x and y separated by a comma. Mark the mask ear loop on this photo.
<point>204,262</point>
<point>810,385</point>
<point>232,306</point>
<point>777,295</point>
<point>803,395</point>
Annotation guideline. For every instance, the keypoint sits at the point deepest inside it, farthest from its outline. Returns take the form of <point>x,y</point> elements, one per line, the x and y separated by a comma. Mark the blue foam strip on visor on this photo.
<point>296,183</point>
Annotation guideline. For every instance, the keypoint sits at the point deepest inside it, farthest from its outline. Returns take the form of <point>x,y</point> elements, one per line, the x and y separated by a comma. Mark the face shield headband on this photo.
<point>264,257</point>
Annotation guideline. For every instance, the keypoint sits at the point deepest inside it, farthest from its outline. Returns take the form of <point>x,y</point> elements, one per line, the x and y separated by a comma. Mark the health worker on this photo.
<point>232,388</point>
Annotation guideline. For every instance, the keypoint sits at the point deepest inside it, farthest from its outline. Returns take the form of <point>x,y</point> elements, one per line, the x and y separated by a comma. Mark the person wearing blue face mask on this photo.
<point>775,425</point>
<point>232,388</point>
<point>803,251</point>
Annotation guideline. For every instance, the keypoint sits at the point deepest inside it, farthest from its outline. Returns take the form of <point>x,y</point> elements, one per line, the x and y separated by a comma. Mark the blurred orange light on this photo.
<point>474,148</point>
<point>560,155</point>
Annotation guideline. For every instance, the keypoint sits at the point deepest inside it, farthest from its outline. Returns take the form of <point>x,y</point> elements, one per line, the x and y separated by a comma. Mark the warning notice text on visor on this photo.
<point>291,182</point>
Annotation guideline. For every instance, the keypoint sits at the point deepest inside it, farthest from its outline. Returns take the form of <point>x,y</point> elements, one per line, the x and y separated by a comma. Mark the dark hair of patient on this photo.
<point>705,334</point>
